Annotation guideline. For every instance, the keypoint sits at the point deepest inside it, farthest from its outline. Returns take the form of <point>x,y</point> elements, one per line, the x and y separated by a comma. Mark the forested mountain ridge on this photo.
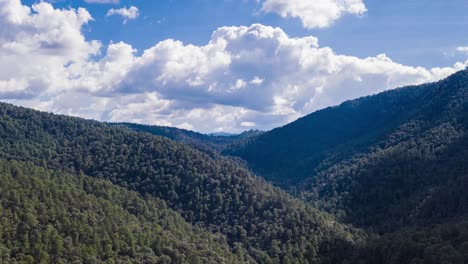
<point>289,154</point>
<point>209,191</point>
<point>54,217</point>
<point>386,161</point>
<point>394,163</point>
<point>197,140</point>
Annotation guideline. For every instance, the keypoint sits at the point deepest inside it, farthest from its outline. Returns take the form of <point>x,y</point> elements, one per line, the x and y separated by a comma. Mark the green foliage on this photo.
<point>385,162</point>
<point>422,180</point>
<point>416,174</point>
<point>395,163</point>
<point>54,217</point>
<point>443,243</point>
<point>294,153</point>
<point>209,191</point>
<point>202,142</point>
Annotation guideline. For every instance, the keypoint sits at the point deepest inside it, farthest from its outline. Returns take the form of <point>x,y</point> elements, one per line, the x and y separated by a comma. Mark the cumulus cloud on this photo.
<point>244,77</point>
<point>102,1</point>
<point>36,43</point>
<point>127,13</point>
<point>314,13</point>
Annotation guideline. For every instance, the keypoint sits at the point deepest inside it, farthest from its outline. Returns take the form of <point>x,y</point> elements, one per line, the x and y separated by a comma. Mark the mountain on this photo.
<point>49,216</point>
<point>380,179</point>
<point>385,161</point>
<point>222,134</point>
<point>203,142</point>
<point>209,191</point>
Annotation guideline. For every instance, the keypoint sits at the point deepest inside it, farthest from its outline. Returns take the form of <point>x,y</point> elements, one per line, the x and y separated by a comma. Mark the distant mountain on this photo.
<point>222,134</point>
<point>258,221</point>
<point>386,161</point>
<point>215,141</point>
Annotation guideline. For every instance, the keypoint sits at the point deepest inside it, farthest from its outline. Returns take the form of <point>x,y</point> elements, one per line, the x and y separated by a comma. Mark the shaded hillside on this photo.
<point>217,142</point>
<point>443,243</point>
<point>416,174</point>
<point>211,192</point>
<point>54,217</point>
<point>419,180</point>
<point>290,154</point>
<point>396,158</point>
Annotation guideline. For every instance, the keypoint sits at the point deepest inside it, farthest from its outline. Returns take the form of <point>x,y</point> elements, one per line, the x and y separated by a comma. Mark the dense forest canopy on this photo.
<point>54,217</point>
<point>395,163</point>
<point>384,161</point>
<point>213,142</point>
<point>209,191</point>
<point>381,179</point>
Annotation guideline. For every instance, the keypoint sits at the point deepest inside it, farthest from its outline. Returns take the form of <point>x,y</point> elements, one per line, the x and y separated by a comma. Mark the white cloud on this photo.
<point>248,124</point>
<point>462,49</point>
<point>315,13</point>
<point>36,43</point>
<point>243,77</point>
<point>127,13</point>
<point>102,1</point>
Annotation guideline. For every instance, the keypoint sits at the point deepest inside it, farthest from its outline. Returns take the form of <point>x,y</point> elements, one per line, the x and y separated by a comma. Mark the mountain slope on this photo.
<point>394,163</point>
<point>209,191</point>
<point>396,158</point>
<point>434,244</point>
<point>289,154</point>
<point>54,217</point>
<point>217,142</point>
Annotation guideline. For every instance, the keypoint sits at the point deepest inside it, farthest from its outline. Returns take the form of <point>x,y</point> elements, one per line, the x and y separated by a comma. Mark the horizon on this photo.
<point>195,71</point>
<point>227,133</point>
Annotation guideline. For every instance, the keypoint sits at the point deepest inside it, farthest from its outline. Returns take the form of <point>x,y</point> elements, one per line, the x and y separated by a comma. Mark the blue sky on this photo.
<point>175,63</point>
<point>412,32</point>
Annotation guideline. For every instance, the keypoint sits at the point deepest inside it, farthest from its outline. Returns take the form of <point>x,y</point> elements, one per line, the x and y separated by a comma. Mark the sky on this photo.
<point>221,65</point>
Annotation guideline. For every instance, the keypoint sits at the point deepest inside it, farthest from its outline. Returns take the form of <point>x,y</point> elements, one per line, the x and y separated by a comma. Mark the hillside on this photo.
<point>208,191</point>
<point>382,161</point>
<point>54,217</point>
<point>290,154</point>
<point>217,142</point>
<point>394,164</point>
<point>433,244</point>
